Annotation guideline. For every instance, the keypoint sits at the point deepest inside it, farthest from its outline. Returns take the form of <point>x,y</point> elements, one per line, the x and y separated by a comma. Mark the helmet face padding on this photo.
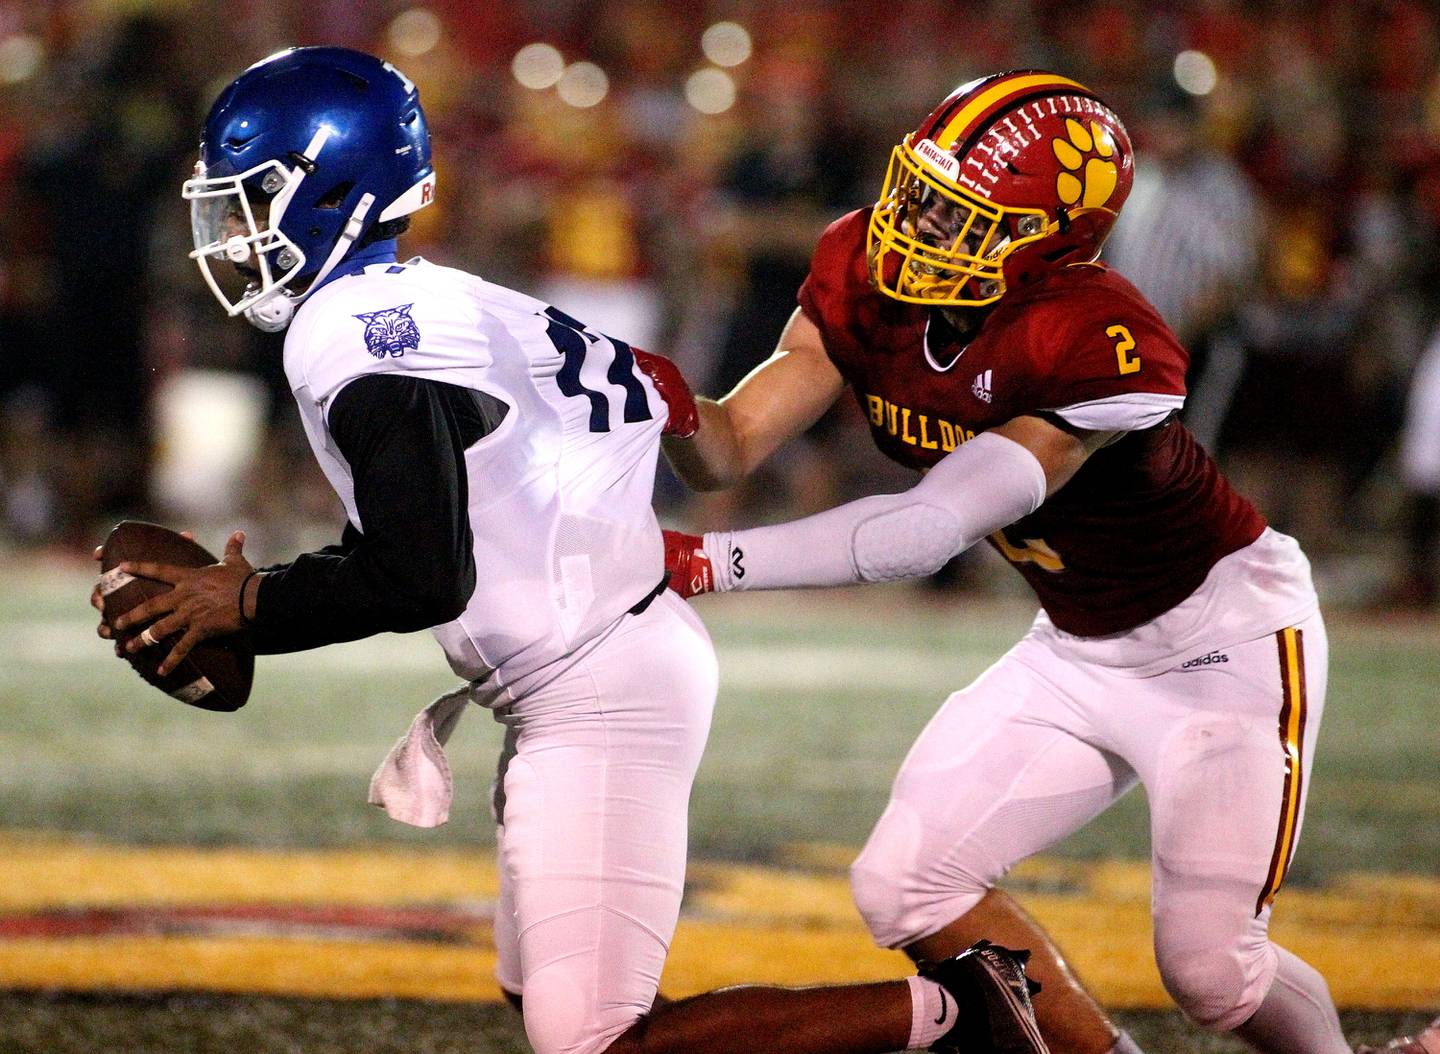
<point>1030,170</point>
<point>333,141</point>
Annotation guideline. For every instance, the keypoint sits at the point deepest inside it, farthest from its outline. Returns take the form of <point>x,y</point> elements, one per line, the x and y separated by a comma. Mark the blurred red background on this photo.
<point>662,170</point>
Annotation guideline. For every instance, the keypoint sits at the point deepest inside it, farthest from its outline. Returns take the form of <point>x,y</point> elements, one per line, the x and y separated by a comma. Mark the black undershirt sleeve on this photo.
<point>349,538</point>
<point>404,439</point>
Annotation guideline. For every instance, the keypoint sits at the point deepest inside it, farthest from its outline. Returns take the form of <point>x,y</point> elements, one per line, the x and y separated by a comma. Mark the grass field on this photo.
<point>109,789</point>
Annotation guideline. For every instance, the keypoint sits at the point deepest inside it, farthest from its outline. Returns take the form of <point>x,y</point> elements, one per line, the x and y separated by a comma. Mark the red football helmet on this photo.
<point>1009,178</point>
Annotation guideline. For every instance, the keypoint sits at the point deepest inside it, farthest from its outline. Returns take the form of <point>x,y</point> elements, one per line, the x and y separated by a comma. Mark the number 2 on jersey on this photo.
<point>575,342</point>
<point>1124,344</point>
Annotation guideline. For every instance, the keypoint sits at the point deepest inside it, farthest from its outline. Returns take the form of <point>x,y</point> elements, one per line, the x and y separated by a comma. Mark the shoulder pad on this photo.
<point>412,321</point>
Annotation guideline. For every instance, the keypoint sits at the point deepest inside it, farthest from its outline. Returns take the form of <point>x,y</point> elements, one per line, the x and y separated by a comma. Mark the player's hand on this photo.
<point>203,603</point>
<point>97,601</point>
<point>684,417</point>
<point>687,564</point>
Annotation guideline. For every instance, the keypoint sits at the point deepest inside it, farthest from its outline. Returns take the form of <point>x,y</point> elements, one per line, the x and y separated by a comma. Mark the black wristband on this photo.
<point>244,621</point>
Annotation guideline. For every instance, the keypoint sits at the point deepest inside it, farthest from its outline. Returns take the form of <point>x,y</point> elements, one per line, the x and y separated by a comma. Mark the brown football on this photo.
<point>217,673</point>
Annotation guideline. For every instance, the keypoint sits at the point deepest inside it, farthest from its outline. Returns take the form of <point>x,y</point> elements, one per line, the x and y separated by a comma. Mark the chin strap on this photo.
<point>353,226</point>
<point>274,313</point>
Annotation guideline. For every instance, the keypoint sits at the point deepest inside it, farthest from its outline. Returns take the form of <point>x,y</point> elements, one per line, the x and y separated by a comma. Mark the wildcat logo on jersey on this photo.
<point>390,332</point>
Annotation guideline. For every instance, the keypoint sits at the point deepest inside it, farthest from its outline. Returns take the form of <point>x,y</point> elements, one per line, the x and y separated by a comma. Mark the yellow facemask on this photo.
<point>969,271</point>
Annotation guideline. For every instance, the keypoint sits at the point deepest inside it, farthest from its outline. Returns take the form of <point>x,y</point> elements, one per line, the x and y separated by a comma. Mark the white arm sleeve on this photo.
<point>988,483</point>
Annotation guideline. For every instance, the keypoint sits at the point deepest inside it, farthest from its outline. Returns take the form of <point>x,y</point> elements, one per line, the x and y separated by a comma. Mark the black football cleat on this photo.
<point>992,995</point>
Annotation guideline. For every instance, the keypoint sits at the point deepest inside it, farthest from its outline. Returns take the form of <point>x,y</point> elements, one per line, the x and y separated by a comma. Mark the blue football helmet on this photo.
<point>302,155</point>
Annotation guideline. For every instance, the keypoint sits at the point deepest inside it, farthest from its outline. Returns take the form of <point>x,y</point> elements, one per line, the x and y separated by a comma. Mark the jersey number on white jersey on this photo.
<point>575,342</point>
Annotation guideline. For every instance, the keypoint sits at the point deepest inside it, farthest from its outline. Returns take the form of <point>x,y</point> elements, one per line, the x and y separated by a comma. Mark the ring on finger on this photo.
<point>147,638</point>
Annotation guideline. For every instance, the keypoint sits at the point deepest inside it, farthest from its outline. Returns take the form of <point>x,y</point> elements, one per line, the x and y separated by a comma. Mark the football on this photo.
<point>217,674</point>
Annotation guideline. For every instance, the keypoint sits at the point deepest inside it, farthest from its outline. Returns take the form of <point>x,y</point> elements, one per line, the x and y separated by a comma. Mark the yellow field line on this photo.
<point>37,872</point>
<point>786,925</point>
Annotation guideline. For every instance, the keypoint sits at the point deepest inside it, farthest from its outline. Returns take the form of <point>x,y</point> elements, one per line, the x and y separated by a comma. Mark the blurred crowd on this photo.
<point>663,169</point>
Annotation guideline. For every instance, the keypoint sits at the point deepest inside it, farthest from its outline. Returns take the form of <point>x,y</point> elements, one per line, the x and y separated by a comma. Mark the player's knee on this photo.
<point>558,1023</point>
<point>1214,956</point>
<point>1215,987</point>
<point>549,1033</point>
<point>895,893</point>
<point>877,897</point>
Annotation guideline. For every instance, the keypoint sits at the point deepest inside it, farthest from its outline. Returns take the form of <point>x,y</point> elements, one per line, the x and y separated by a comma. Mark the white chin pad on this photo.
<point>271,315</point>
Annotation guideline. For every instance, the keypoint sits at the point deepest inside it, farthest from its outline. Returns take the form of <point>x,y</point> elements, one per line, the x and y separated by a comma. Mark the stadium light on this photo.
<point>582,85</point>
<point>726,43</point>
<point>710,91</point>
<point>538,66</point>
<point>414,32</point>
<point>20,58</point>
<point>1195,72</point>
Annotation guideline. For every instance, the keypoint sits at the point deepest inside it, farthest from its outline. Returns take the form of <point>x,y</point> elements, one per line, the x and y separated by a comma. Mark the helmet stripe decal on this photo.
<point>977,107</point>
<point>942,120</point>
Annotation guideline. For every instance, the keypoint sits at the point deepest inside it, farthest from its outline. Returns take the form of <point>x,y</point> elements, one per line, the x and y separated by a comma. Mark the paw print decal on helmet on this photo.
<point>1090,175</point>
<point>1030,168</point>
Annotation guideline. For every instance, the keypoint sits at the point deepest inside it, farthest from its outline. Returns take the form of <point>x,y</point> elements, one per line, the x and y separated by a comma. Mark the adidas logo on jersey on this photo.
<point>981,388</point>
<point>1205,660</point>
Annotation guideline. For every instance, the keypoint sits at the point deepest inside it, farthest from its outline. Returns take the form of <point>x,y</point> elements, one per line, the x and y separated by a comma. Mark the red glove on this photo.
<point>684,417</point>
<point>687,564</point>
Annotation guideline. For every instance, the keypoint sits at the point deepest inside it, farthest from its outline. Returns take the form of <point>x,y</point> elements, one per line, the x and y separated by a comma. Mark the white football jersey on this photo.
<point>566,540</point>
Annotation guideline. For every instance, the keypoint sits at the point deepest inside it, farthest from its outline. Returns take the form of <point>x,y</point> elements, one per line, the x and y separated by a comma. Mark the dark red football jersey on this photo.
<point>1140,525</point>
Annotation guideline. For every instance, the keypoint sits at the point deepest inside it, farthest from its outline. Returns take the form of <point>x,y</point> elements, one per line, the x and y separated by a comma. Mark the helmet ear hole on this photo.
<point>336,195</point>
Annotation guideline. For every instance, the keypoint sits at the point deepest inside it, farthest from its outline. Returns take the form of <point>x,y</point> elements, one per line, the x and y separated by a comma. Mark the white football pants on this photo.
<point>1039,745</point>
<point>592,798</point>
